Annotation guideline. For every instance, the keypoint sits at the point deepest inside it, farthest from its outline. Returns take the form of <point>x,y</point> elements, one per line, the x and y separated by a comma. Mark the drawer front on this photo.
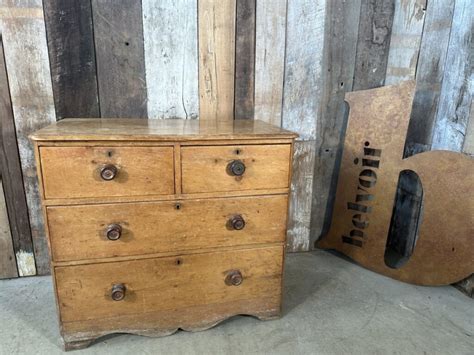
<point>75,172</point>
<point>142,287</point>
<point>236,167</point>
<point>83,232</point>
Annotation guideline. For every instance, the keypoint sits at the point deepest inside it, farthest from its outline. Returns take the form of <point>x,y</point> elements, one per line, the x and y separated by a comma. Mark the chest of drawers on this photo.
<point>160,225</point>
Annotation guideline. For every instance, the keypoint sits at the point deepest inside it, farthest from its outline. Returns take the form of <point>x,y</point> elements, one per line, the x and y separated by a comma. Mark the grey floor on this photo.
<point>331,306</point>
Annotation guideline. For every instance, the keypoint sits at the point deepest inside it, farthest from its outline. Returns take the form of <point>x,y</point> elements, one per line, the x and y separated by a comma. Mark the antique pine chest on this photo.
<point>159,225</point>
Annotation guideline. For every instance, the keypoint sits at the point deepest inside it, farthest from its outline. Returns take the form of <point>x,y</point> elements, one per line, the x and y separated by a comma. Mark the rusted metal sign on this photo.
<point>370,168</point>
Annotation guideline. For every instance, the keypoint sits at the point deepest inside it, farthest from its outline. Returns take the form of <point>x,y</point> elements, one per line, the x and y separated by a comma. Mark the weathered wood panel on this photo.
<point>468,145</point>
<point>303,84</point>
<point>458,82</point>
<point>15,233</point>
<point>72,57</point>
<point>171,58</point>
<point>118,33</point>
<point>340,52</point>
<point>299,214</point>
<point>375,28</point>
<point>451,129</point>
<point>303,89</point>
<point>405,41</point>
<point>270,59</point>
<point>216,23</point>
<point>24,38</point>
<point>7,255</point>
<point>244,59</point>
<point>429,75</point>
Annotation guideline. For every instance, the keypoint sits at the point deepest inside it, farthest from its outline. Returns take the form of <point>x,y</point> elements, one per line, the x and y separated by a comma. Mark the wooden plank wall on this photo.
<point>26,55</point>
<point>15,233</point>
<point>288,62</point>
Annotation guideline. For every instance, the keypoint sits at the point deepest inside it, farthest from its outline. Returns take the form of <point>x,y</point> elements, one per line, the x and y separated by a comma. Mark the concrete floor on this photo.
<point>331,306</point>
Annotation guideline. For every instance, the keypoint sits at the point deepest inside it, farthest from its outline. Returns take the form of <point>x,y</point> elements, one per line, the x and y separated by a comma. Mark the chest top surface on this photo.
<point>120,129</point>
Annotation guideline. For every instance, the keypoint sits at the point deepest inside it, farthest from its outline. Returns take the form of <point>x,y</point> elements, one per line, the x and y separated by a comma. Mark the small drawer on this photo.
<point>235,167</point>
<point>81,172</point>
<point>174,291</point>
<point>108,230</point>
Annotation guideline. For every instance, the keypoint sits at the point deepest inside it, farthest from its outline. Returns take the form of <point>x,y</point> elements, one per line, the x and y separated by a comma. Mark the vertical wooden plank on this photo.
<point>244,59</point>
<point>118,32</point>
<point>7,255</point>
<point>458,82</point>
<point>8,267</point>
<point>216,23</point>
<point>270,59</point>
<point>341,34</point>
<point>171,58</point>
<point>405,42</point>
<point>468,145</point>
<point>429,75</point>
<point>26,55</point>
<point>375,27</point>
<point>72,57</point>
<point>299,212</point>
<point>303,66</point>
<point>303,88</point>
<point>15,233</point>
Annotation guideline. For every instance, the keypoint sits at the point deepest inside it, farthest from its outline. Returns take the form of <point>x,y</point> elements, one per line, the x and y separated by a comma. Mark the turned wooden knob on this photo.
<point>113,232</point>
<point>108,172</point>
<point>236,168</point>
<point>237,222</point>
<point>234,278</point>
<point>118,292</point>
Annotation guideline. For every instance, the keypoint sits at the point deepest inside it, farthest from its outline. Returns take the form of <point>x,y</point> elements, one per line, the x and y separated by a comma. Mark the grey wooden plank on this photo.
<point>339,65</point>
<point>303,88</point>
<point>171,58</point>
<point>118,32</point>
<point>429,75</point>
<point>23,29</point>
<point>15,233</point>
<point>299,213</point>
<point>405,41</point>
<point>72,57</point>
<point>8,267</point>
<point>375,28</point>
<point>303,85</point>
<point>244,59</point>
<point>270,39</point>
<point>454,118</point>
<point>455,98</point>
<point>468,145</point>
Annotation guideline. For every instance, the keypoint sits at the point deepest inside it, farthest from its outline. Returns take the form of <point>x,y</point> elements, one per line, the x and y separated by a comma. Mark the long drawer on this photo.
<point>75,172</point>
<point>108,230</point>
<point>174,291</point>
<point>235,167</point>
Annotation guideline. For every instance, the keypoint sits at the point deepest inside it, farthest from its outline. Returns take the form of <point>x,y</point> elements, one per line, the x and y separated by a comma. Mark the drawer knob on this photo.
<point>118,292</point>
<point>237,222</point>
<point>114,231</point>
<point>234,278</point>
<point>108,172</point>
<point>236,168</point>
